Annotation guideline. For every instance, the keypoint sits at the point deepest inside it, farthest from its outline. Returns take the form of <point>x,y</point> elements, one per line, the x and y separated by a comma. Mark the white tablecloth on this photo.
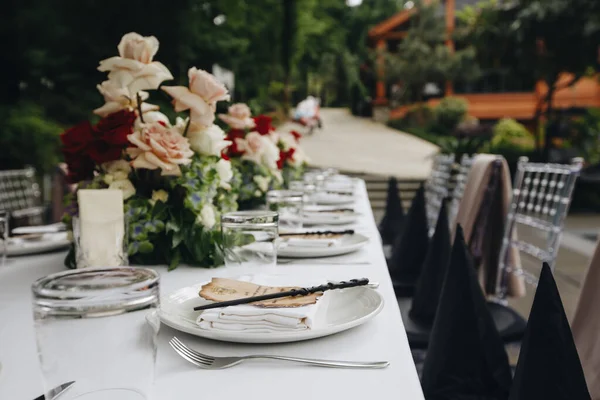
<point>383,338</point>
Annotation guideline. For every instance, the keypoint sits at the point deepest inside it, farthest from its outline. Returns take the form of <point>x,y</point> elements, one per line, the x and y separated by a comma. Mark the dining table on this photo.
<point>381,339</point>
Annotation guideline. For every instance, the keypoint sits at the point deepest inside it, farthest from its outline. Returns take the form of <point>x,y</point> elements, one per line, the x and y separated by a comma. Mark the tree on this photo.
<point>422,57</point>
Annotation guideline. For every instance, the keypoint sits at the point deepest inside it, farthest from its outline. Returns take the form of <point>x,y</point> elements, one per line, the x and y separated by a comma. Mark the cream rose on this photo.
<point>208,141</point>
<point>200,98</point>
<point>157,146</point>
<point>207,216</point>
<point>225,173</point>
<point>133,68</point>
<point>238,116</point>
<point>259,149</point>
<point>125,186</point>
<point>151,117</point>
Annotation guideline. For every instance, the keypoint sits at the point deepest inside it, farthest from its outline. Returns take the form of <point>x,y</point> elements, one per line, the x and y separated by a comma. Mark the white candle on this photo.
<point>101,227</point>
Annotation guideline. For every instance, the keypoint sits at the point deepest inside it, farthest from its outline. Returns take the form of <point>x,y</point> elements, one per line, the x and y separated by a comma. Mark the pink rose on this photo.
<point>117,98</point>
<point>157,146</point>
<point>259,149</point>
<point>239,116</point>
<point>200,98</point>
<point>133,68</point>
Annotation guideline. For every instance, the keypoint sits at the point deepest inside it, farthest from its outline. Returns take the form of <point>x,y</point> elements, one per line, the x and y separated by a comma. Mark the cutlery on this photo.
<point>344,232</point>
<point>289,293</point>
<point>57,391</point>
<point>211,362</point>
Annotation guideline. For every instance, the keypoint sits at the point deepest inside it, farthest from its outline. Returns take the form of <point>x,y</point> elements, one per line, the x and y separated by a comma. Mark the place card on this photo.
<point>101,228</point>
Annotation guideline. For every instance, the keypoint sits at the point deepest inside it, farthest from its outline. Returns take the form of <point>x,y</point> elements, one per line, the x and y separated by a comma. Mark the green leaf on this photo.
<point>175,260</point>
<point>146,247</point>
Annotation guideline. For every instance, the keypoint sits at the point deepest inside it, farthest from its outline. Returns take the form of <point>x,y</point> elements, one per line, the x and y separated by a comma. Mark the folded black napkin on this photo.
<point>410,248</point>
<point>466,357</point>
<point>548,367</point>
<point>429,284</point>
<point>392,222</point>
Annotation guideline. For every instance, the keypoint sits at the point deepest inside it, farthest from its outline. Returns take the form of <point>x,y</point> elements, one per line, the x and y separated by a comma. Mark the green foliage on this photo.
<point>449,113</point>
<point>28,138</point>
<point>511,139</point>
<point>585,135</point>
<point>422,56</point>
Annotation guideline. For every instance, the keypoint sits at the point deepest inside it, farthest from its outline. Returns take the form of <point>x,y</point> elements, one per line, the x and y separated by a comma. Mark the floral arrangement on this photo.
<point>267,159</point>
<point>174,179</point>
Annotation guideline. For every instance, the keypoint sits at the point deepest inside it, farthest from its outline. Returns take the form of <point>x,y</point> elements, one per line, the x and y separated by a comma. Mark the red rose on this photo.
<point>102,152</point>
<point>79,167</point>
<point>114,128</point>
<point>231,136</point>
<point>263,124</point>
<point>296,135</point>
<point>77,138</point>
<point>285,156</point>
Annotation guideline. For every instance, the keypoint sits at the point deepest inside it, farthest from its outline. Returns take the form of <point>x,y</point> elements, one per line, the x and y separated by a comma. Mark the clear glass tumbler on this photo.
<point>250,238</point>
<point>289,205</point>
<point>308,189</point>
<point>4,233</point>
<point>100,244</point>
<point>98,328</point>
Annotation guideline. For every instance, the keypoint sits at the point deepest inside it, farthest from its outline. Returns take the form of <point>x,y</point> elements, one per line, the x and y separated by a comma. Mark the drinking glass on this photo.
<point>98,327</point>
<point>250,238</point>
<point>4,229</point>
<point>102,244</point>
<point>316,178</point>
<point>307,188</point>
<point>289,205</point>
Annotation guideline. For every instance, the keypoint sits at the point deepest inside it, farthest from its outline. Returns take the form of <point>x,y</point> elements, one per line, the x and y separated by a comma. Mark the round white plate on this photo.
<point>348,244</point>
<point>332,199</point>
<point>48,242</point>
<point>325,218</point>
<point>345,309</point>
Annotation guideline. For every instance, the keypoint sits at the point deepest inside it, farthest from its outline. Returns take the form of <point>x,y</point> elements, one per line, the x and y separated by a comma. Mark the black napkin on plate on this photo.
<point>548,366</point>
<point>392,222</point>
<point>410,248</point>
<point>466,357</point>
<point>429,285</point>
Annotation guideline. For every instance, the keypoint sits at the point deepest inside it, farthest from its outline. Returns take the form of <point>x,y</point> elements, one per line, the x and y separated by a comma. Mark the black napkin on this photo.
<point>391,224</point>
<point>429,284</point>
<point>466,357</point>
<point>548,367</point>
<point>410,248</point>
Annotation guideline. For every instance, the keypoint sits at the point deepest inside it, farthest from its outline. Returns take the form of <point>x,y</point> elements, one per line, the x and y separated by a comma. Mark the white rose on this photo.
<point>180,124</point>
<point>209,141</point>
<point>207,216</point>
<point>108,179</point>
<point>125,186</point>
<point>155,116</point>
<point>159,195</point>
<point>262,182</point>
<point>225,172</point>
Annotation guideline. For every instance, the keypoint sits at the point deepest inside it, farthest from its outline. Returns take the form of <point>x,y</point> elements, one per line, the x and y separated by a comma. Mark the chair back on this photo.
<point>436,187</point>
<point>20,195</point>
<point>460,182</point>
<point>540,203</point>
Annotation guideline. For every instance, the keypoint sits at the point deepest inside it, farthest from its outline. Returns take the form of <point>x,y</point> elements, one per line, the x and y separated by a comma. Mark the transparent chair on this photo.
<point>436,187</point>
<point>20,195</point>
<point>460,183</point>
<point>540,202</point>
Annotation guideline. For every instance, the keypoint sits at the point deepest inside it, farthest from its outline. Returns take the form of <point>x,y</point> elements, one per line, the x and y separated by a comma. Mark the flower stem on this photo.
<point>139,104</point>
<point>187,126</point>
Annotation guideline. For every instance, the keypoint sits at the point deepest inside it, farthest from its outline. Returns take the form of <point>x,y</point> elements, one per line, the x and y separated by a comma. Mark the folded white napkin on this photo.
<point>304,242</point>
<point>252,319</point>
<point>52,228</point>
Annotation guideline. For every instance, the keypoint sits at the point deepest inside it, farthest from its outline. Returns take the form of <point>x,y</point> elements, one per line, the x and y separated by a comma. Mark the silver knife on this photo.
<point>56,392</point>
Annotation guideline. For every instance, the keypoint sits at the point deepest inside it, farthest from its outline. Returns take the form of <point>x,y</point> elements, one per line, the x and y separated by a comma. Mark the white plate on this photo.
<point>344,309</point>
<point>48,242</point>
<point>332,199</point>
<point>325,218</point>
<point>348,244</point>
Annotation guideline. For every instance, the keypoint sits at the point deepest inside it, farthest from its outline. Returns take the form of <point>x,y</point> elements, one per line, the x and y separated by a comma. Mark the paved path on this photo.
<point>359,145</point>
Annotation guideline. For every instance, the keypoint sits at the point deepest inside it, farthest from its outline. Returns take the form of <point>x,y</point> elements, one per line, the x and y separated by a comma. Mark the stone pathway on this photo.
<point>361,145</point>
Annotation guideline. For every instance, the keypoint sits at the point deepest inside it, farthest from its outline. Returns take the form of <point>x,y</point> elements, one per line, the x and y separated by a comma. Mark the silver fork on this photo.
<point>210,362</point>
